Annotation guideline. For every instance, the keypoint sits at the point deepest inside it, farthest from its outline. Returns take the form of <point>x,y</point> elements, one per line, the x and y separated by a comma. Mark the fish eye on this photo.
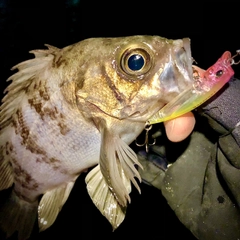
<point>135,61</point>
<point>219,73</point>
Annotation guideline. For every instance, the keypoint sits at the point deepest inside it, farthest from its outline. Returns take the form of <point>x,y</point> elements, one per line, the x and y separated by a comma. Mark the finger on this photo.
<point>179,128</point>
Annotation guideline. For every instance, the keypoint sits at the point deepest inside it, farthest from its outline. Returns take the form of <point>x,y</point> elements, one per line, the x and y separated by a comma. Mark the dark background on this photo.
<point>213,28</point>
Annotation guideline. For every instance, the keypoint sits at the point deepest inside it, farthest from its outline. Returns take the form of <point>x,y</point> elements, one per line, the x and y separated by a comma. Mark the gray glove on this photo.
<point>200,177</point>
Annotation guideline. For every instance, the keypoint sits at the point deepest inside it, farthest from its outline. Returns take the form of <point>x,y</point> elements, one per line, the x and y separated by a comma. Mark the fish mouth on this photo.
<point>205,84</point>
<point>187,100</point>
<point>177,74</point>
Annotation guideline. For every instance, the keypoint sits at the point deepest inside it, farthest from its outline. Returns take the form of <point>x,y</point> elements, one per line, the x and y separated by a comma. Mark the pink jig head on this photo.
<point>205,85</point>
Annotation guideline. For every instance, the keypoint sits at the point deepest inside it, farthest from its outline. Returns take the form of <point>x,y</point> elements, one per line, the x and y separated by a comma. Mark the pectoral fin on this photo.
<point>104,198</point>
<point>116,156</point>
<point>51,204</point>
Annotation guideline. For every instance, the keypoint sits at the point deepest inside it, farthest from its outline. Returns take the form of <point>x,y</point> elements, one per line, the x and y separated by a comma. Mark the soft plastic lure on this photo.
<point>205,85</point>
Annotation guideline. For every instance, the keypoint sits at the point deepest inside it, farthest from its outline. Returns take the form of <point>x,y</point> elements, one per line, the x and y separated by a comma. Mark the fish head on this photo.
<point>132,77</point>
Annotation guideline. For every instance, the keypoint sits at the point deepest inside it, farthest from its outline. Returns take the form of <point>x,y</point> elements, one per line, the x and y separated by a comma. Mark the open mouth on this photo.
<point>205,84</point>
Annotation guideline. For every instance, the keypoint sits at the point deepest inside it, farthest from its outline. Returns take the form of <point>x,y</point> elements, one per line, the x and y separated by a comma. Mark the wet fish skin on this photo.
<point>70,109</point>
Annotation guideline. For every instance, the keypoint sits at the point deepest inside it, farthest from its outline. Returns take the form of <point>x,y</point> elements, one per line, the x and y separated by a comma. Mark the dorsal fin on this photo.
<point>22,80</point>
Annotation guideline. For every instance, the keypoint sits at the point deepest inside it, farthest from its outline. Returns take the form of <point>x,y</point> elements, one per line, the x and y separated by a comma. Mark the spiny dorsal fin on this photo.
<point>21,81</point>
<point>104,199</point>
<point>44,52</point>
<point>51,204</point>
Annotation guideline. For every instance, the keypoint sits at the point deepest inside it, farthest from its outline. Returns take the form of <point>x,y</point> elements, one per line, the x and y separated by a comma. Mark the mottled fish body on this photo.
<point>70,109</point>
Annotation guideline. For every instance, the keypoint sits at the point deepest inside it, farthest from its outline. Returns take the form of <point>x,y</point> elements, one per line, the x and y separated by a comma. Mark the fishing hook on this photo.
<point>232,58</point>
<point>146,143</point>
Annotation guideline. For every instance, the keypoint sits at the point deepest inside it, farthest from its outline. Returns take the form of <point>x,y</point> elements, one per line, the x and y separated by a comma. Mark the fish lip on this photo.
<point>177,73</point>
<point>183,58</point>
<point>186,45</point>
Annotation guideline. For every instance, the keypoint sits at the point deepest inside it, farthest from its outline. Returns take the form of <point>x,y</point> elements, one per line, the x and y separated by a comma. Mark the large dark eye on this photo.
<point>219,73</point>
<point>136,61</point>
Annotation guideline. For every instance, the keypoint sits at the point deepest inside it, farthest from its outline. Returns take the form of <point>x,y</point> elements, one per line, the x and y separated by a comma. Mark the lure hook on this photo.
<point>146,143</point>
<point>232,59</point>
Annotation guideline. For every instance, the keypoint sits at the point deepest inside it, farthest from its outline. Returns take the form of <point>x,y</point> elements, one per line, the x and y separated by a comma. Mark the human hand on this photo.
<point>179,128</point>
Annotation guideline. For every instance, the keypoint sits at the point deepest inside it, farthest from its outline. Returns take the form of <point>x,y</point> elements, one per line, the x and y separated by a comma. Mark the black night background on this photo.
<point>212,26</point>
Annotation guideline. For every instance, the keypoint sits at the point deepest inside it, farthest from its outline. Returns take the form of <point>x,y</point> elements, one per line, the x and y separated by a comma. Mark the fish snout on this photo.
<point>178,73</point>
<point>183,58</point>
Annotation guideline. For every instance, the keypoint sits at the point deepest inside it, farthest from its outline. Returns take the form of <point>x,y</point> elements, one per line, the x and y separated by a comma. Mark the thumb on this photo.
<point>179,128</point>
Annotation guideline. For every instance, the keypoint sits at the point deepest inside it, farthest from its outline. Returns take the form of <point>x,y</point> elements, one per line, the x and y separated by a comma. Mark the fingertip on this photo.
<point>179,128</point>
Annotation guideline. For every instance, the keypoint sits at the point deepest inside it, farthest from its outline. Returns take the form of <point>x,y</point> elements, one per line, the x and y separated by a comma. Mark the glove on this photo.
<point>200,176</point>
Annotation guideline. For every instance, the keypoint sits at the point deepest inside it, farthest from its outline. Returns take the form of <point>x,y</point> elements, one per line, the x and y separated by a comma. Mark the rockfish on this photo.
<point>70,109</point>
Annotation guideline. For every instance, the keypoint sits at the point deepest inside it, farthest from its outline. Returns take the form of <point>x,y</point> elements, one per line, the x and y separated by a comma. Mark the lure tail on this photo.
<point>18,215</point>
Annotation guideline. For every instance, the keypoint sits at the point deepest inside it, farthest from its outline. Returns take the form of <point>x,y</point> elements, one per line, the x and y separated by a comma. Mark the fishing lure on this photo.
<point>205,85</point>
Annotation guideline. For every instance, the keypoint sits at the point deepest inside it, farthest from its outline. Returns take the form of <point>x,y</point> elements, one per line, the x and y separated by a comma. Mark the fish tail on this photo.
<point>18,215</point>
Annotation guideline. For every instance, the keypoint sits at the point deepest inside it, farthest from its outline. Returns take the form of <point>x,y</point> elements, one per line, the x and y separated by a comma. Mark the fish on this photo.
<point>205,85</point>
<point>76,108</point>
